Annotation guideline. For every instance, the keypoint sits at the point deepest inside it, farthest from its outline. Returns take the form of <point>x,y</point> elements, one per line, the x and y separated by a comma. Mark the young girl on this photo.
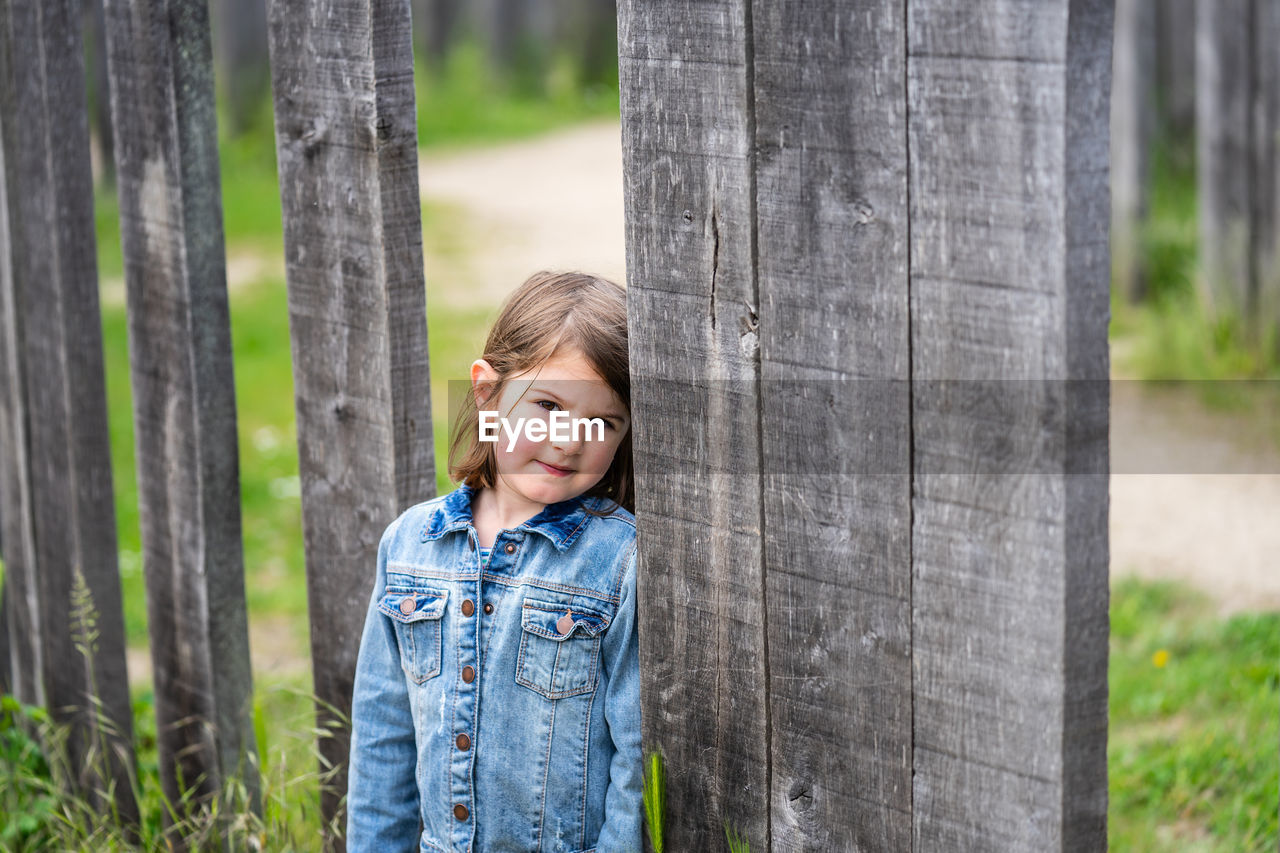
<point>497,691</point>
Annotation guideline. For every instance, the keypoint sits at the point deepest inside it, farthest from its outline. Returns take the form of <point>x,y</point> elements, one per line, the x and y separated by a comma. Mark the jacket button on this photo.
<point>468,674</point>
<point>464,742</point>
<point>564,624</point>
<point>511,548</point>
<point>406,606</point>
<point>468,607</point>
<point>460,812</point>
<point>471,543</point>
<point>488,608</point>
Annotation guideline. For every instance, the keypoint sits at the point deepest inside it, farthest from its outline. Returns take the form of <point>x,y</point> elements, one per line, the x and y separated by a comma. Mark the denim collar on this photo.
<point>560,522</point>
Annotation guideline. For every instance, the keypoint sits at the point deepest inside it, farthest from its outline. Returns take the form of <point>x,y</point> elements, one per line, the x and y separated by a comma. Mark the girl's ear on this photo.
<point>483,379</point>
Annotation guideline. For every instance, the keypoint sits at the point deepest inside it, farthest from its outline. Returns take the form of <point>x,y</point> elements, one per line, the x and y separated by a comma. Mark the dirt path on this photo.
<point>1206,517</point>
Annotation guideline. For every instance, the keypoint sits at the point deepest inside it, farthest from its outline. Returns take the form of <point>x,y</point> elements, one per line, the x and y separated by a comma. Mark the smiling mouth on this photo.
<point>555,469</point>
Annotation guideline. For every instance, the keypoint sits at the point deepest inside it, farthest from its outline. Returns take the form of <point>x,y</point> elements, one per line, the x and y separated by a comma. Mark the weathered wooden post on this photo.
<point>868,268</point>
<point>692,306</point>
<point>1133,128</point>
<point>1237,156</point>
<point>1009,364</point>
<point>1176,66</point>
<point>346,141</point>
<point>66,624</point>
<point>183,394</point>
<point>240,45</point>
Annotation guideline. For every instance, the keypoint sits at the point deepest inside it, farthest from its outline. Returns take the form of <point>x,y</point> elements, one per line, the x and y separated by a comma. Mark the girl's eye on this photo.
<point>549,405</point>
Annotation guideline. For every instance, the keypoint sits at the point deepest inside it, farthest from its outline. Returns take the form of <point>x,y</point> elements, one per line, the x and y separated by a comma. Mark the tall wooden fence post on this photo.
<point>868,265</point>
<point>1238,149</point>
<point>66,620</point>
<point>1009,363</point>
<point>183,394</point>
<point>346,141</point>
<point>692,306</point>
<point>1133,128</point>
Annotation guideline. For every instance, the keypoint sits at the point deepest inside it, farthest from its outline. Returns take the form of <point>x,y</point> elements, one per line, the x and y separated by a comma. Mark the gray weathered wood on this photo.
<point>1176,66</point>
<point>183,394</point>
<point>1224,147</point>
<point>1133,125</point>
<point>435,25</point>
<point>240,45</point>
<point>1238,147</point>
<point>99,88</point>
<point>689,189</point>
<point>1266,164</point>
<point>346,142</point>
<point>1009,298</point>
<point>830,113</point>
<point>59,514</point>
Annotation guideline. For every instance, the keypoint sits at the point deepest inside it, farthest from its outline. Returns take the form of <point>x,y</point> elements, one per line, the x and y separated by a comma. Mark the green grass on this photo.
<point>39,812</point>
<point>1171,333</point>
<point>1194,734</point>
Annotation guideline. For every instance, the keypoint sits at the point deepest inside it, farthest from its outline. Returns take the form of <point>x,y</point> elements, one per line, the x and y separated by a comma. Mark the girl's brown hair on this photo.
<point>552,311</point>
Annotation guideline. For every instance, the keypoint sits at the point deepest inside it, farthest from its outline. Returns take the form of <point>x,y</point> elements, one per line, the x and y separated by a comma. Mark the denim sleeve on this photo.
<point>622,812</point>
<point>382,791</point>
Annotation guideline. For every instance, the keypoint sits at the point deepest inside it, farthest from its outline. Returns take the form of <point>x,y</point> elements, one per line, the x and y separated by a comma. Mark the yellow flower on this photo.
<point>1160,658</point>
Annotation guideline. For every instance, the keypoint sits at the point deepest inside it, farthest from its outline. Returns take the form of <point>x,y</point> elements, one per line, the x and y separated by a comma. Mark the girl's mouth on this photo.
<point>555,470</point>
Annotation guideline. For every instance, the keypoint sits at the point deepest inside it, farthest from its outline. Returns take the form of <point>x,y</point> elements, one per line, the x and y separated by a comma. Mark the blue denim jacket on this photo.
<point>499,706</point>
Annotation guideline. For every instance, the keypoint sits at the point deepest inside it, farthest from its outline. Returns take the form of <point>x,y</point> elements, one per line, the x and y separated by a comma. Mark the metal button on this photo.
<point>407,605</point>
<point>564,624</point>
<point>471,543</point>
<point>460,812</point>
<point>510,548</point>
<point>468,674</point>
<point>488,608</point>
<point>468,607</point>
<point>464,742</point>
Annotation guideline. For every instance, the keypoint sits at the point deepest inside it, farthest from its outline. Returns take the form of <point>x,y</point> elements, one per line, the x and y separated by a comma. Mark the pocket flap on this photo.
<point>413,605</point>
<point>544,618</point>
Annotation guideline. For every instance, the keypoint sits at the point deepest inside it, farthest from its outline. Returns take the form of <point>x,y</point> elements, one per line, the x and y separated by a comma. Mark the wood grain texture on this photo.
<point>346,140</point>
<point>1009,267</point>
<point>830,99</point>
<point>689,187</point>
<point>1133,128</point>
<point>59,514</point>
<point>161,70</point>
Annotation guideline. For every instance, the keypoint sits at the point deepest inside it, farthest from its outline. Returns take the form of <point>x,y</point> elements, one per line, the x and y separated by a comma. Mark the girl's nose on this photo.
<point>566,442</point>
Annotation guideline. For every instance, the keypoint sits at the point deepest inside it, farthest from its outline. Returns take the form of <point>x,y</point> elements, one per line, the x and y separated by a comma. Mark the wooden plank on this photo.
<point>21,601</point>
<point>830,111</point>
<point>1009,268</point>
<point>240,43</point>
<point>63,514</point>
<point>1176,67</point>
<point>346,142</point>
<point>1224,73</point>
<point>689,187</point>
<point>1265,246</point>
<point>160,64</point>
<point>1133,126</point>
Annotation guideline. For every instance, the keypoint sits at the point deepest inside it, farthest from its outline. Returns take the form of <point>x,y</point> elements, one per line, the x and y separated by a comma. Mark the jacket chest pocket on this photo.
<point>559,648</point>
<point>416,614</point>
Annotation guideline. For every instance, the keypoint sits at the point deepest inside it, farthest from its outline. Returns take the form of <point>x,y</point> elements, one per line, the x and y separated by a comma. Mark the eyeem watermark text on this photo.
<point>559,427</point>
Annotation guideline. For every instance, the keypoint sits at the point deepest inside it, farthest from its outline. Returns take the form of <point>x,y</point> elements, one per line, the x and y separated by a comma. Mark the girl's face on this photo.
<point>541,459</point>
